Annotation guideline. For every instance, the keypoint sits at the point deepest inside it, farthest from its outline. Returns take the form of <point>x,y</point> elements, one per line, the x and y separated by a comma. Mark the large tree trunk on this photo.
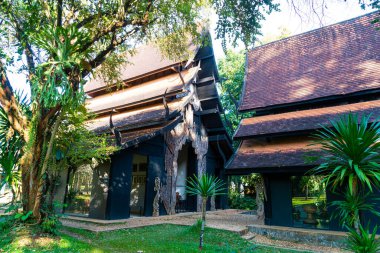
<point>35,162</point>
<point>31,179</point>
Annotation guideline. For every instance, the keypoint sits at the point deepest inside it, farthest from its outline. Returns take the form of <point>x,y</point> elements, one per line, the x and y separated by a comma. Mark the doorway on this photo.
<point>187,164</point>
<point>138,186</point>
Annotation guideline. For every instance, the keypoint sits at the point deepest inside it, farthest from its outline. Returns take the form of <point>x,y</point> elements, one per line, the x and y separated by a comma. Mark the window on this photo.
<point>309,202</point>
<point>78,195</point>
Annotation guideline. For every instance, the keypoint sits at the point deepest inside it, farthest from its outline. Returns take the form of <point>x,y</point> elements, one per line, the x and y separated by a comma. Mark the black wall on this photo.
<point>278,207</point>
<point>121,176</point>
<point>119,186</point>
<point>215,167</point>
<point>192,168</point>
<point>99,193</point>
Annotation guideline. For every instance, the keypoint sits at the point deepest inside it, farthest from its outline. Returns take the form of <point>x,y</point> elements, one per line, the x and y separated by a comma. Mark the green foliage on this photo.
<point>23,216</point>
<point>351,153</point>
<point>374,4</point>
<point>54,81</point>
<point>232,73</point>
<point>349,209</point>
<point>196,227</point>
<point>351,161</point>
<point>363,241</point>
<point>76,145</point>
<point>51,224</point>
<point>11,145</point>
<point>238,201</point>
<point>205,186</point>
<point>282,33</point>
<point>240,20</point>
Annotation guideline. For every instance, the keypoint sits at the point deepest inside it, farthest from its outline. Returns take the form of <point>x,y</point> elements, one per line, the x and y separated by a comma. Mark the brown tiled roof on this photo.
<point>147,59</point>
<point>331,61</point>
<point>140,116</point>
<point>140,93</point>
<point>285,153</point>
<point>303,120</point>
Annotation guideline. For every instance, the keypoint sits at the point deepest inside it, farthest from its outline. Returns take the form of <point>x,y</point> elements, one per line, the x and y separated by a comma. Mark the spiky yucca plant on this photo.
<point>351,159</point>
<point>363,242</point>
<point>348,210</point>
<point>204,186</point>
<point>352,151</point>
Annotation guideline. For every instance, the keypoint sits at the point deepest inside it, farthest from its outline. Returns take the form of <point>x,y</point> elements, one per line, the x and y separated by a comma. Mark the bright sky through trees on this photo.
<point>336,11</point>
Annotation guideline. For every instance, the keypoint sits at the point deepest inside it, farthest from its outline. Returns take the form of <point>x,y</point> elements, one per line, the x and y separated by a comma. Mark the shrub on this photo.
<point>51,224</point>
<point>237,201</point>
<point>363,241</point>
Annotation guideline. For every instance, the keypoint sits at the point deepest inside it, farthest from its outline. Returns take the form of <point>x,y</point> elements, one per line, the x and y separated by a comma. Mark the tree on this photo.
<point>204,186</point>
<point>60,43</point>
<point>351,158</point>
<point>10,151</point>
<point>232,74</point>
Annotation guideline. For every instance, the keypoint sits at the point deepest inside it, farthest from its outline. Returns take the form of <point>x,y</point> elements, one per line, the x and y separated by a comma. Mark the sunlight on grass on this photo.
<point>159,238</point>
<point>299,201</point>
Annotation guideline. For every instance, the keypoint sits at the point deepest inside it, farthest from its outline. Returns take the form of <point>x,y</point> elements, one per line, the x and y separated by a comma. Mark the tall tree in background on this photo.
<point>58,44</point>
<point>232,73</point>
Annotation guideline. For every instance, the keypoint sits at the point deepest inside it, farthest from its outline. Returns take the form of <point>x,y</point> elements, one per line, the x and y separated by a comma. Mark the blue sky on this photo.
<point>336,11</point>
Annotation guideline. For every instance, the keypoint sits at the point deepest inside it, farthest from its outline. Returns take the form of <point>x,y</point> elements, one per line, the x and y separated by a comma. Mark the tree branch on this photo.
<point>101,56</point>
<point>10,105</point>
<point>59,12</point>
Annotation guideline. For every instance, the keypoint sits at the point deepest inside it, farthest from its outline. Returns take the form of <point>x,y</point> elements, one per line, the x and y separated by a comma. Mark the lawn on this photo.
<point>300,201</point>
<point>159,238</point>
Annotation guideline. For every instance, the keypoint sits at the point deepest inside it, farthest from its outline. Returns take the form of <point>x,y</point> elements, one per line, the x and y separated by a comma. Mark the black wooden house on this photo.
<point>166,121</point>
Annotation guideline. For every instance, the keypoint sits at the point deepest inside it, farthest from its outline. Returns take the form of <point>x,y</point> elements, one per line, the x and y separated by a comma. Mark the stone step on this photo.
<point>300,235</point>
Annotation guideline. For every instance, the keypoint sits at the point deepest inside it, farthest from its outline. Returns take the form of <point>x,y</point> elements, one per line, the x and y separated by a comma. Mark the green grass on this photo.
<point>299,201</point>
<point>26,240</point>
<point>159,238</point>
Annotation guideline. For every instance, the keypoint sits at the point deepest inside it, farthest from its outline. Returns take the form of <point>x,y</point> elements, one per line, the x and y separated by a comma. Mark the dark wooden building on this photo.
<point>294,86</point>
<point>166,121</point>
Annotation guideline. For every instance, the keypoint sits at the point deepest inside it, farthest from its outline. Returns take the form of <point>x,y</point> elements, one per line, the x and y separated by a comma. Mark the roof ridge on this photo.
<point>314,30</point>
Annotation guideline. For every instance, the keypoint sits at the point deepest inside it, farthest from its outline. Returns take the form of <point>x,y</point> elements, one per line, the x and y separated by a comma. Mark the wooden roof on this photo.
<point>145,61</point>
<point>138,109</point>
<point>303,120</point>
<point>325,63</point>
<point>148,115</point>
<point>145,92</point>
<point>281,153</point>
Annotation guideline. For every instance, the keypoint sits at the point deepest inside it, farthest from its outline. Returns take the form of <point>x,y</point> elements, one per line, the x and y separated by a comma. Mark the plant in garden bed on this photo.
<point>238,201</point>
<point>351,161</point>
<point>204,186</point>
<point>364,241</point>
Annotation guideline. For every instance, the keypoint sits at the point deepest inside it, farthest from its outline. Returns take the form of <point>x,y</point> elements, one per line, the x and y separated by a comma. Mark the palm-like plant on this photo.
<point>352,152</point>
<point>11,148</point>
<point>351,159</point>
<point>204,186</point>
<point>10,154</point>
<point>364,241</point>
<point>348,210</point>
